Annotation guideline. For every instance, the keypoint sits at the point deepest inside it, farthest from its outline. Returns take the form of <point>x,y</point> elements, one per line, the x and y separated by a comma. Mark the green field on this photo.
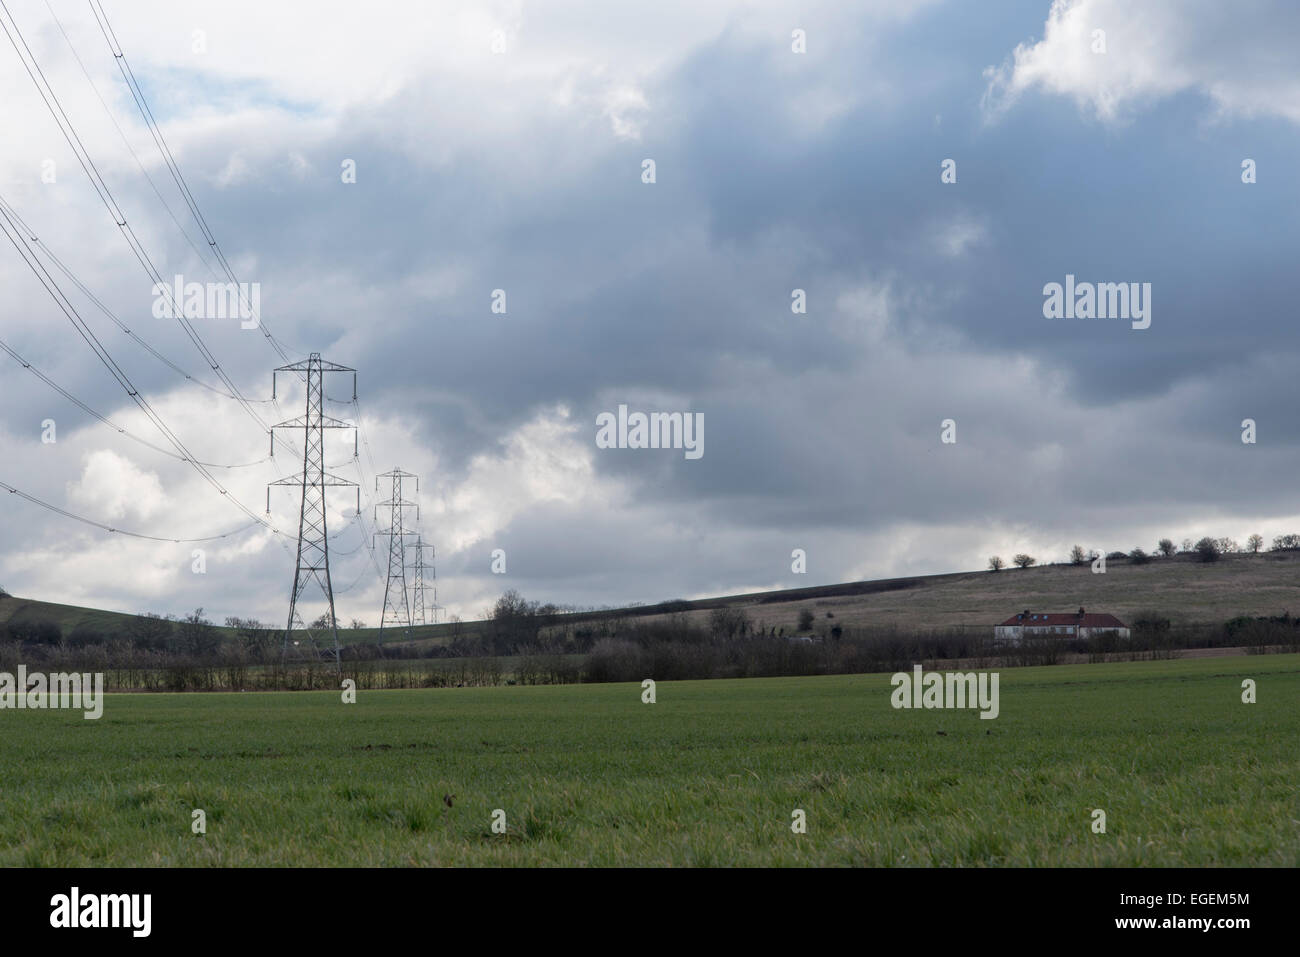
<point>709,775</point>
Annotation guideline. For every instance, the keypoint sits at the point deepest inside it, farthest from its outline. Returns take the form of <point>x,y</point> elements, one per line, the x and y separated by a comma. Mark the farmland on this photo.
<point>708,775</point>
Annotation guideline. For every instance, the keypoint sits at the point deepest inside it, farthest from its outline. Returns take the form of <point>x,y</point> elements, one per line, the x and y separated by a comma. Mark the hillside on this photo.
<point>1181,588</point>
<point>67,617</point>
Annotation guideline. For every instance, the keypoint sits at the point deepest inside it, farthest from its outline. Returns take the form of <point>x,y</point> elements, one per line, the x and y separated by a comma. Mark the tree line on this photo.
<point>1206,549</point>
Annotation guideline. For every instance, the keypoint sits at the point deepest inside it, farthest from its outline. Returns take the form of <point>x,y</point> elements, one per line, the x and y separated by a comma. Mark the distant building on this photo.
<point>1081,624</point>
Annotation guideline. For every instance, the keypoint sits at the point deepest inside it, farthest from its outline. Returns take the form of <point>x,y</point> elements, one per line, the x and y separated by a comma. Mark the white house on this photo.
<point>1081,624</point>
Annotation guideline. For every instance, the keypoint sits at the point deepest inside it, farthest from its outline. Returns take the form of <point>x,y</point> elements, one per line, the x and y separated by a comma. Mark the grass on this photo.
<point>67,617</point>
<point>709,775</point>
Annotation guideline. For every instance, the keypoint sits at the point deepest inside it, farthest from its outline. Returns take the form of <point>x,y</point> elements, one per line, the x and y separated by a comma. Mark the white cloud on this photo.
<point>114,487</point>
<point>956,237</point>
<point>1154,50</point>
<point>548,459</point>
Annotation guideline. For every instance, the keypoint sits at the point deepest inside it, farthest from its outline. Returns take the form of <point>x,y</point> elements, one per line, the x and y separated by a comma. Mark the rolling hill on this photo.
<point>1180,588</point>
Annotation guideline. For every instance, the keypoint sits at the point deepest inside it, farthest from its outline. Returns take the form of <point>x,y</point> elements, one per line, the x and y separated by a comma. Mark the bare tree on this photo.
<point>1255,543</point>
<point>255,638</point>
<point>197,635</point>
<point>150,631</point>
<point>1077,555</point>
<point>729,622</point>
<point>996,564</point>
<point>1024,561</point>
<point>1166,547</point>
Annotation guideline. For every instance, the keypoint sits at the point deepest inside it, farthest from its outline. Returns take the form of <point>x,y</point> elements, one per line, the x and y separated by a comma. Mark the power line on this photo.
<point>154,186</point>
<point>62,267</point>
<point>126,142</point>
<point>365,441</point>
<point>334,536</point>
<point>36,243</point>
<point>105,420</point>
<point>120,531</point>
<point>347,588</point>
<point>137,94</point>
<point>52,287</point>
<point>66,127</point>
<point>368,540</point>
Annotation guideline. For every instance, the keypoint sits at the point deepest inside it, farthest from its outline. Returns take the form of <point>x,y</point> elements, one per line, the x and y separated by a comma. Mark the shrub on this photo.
<point>35,632</point>
<point>806,619</point>
<point>996,564</point>
<point>1139,557</point>
<point>1208,549</point>
<point>613,659</point>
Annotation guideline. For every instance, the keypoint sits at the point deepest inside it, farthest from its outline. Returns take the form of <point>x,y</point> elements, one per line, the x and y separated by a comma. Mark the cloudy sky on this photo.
<point>500,146</point>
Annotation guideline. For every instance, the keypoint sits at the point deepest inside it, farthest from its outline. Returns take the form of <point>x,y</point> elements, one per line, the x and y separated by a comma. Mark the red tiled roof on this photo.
<point>1088,620</point>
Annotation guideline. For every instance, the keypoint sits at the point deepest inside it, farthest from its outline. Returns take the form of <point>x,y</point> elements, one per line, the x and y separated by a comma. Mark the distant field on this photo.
<point>66,617</point>
<point>1183,589</point>
<point>587,774</point>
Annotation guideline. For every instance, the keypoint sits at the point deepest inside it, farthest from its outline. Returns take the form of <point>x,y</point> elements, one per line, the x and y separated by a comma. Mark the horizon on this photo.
<point>562,608</point>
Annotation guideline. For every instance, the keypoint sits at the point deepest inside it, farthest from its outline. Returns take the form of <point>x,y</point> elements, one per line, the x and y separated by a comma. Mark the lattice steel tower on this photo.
<point>397,606</point>
<point>418,587</point>
<point>313,563</point>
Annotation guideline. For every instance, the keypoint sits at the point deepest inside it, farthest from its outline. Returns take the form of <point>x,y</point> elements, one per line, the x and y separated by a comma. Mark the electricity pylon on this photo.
<point>397,606</point>
<point>418,587</point>
<point>313,540</point>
